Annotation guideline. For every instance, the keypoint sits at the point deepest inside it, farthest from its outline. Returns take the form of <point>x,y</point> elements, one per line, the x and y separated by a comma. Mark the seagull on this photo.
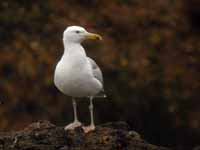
<point>78,75</point>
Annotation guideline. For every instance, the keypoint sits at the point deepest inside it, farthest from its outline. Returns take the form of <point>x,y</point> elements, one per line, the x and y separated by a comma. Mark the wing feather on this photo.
<point>96,70</point>
<point>98,75</point>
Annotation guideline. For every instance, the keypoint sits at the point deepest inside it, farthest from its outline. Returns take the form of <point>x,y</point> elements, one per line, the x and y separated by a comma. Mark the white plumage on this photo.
<point>77,75</point>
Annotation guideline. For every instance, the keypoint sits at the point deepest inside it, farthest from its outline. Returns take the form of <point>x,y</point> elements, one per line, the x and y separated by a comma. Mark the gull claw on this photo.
<point>88,129</point>
<point>73,125</point>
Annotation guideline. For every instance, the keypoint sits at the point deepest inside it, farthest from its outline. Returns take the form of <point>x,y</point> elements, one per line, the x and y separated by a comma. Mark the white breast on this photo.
<point>73,76</point>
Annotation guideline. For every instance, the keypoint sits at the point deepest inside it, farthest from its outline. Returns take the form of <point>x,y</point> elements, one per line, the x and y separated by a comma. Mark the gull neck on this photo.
<point>71,47</point>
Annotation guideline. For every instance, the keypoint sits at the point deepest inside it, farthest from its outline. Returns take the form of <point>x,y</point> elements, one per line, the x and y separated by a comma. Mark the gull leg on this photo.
<point>91,127</point>
<point>76,123</point>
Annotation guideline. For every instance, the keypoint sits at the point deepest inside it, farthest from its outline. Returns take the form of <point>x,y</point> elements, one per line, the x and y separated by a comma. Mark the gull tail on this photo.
<point>1,101</point>
<point>101,94</point>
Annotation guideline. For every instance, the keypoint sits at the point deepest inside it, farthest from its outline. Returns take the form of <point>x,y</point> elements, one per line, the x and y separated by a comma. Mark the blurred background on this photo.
<point>150,58</point>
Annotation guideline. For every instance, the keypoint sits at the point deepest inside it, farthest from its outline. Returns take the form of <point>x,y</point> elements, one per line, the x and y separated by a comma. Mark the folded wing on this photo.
<point>97,74</point>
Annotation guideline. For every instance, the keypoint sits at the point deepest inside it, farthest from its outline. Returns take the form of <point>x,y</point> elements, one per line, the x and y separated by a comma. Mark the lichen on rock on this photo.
<point>44,135</point>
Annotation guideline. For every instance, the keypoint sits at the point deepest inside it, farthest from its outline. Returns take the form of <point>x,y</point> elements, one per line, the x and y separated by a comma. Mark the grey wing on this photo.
<point>98,75</point>
<point>96,70</point>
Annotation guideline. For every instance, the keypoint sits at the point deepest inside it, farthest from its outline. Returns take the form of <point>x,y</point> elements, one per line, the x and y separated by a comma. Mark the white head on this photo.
<point>77,34</point>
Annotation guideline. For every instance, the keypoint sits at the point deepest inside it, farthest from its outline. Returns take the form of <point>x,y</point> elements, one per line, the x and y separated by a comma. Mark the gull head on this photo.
<point>77,34</point>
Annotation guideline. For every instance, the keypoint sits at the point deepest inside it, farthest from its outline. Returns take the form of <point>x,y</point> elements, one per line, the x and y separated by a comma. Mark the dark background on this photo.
<point>150,58</point>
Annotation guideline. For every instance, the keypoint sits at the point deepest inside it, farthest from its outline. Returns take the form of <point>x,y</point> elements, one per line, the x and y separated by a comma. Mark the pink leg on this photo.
<point>91,127</point>
<point>76,123</point>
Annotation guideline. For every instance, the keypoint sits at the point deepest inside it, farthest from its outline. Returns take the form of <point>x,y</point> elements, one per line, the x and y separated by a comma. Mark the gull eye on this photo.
<point>77,31</point>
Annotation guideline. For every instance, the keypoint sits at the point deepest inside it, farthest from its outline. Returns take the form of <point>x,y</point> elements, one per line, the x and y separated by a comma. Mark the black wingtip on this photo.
<point>1,101</point>
<point>104,96</point>
<point>101,96</point>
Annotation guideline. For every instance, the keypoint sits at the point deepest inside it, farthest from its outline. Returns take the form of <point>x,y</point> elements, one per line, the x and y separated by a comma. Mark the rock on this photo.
<point>197,148</point>
<point>43,135</point>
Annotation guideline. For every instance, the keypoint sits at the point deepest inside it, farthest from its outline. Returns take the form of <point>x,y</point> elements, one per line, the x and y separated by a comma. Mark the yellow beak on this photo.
<point>93,36</point>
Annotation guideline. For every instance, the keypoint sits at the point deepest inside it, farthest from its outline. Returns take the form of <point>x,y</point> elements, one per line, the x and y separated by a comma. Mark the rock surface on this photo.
<point>43,135</point>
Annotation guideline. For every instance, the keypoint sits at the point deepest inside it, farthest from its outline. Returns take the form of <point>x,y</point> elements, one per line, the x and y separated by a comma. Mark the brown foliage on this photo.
<point>149,57</point>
